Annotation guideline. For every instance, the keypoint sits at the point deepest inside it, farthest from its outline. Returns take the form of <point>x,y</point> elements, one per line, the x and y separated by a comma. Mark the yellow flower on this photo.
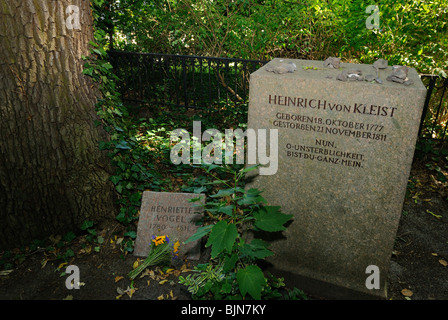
<point>158,240</point>
<point>176,246</point>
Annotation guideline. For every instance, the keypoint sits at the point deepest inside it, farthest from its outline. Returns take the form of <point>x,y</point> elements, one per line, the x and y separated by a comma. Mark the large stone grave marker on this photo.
<point>345,150</point>
<point>168,213</point>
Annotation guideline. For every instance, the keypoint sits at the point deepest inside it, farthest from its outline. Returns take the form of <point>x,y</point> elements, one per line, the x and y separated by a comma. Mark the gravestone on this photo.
<point>345,150</point>
<point>168,213</point>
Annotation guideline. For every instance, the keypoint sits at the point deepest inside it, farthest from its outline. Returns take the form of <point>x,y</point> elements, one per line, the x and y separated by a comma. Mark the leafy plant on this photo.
<point>92,235</point>
<point>235,219</point>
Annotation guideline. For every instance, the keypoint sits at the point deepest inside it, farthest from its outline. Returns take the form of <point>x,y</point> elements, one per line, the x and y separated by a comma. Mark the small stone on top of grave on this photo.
<point>332,62</point>
<point>400,75</point>
<point>282,68</point>
<point>380,64</point>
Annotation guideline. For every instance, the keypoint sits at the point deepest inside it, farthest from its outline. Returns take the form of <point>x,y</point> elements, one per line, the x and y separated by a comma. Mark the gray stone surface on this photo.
<point>168,213</point>
<point>345,153</point>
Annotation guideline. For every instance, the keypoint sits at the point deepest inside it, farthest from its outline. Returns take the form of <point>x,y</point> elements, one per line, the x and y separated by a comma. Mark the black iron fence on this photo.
<point>205,82</point>
<point>177,80</point>
<point>435,113</point>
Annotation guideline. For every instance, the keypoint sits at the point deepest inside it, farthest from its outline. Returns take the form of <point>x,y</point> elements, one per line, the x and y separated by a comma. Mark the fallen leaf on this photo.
<point>44,263</point>
<point>434,215</point>
<point>118,297</point>
<point>55,239</point>
<point>160,297</point>
<point>176,273</point>
<point>118,278</point>
<point>6,272</point>
<point>171,294</point>
<point>61,265</point>
<point>130,291</point>
<point>69,297</point>
<point>120,291</point>
<point>169,270</point>
<point>136,263</point>
<point>163,282</point>
<point>184,268</point>
<point>443,262</point>
<point>434,254</point>
<point>149,273</point>
<point>149,281</point>
<point>407,292</point>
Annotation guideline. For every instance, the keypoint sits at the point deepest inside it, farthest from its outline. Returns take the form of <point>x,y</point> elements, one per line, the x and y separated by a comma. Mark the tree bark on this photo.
<point>52,174</point>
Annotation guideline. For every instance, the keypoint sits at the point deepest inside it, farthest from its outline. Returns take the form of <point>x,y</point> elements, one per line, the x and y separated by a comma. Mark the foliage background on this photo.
<point>412,33</point>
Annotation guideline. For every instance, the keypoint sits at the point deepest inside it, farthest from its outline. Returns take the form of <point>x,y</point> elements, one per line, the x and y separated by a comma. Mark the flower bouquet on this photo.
<point>161,252</point>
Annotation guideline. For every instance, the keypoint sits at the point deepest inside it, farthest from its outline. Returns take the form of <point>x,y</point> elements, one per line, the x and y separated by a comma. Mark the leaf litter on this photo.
<point>157,274</point>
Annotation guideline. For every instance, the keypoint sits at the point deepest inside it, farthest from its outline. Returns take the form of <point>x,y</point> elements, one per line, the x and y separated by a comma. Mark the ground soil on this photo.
<point>418,269</point>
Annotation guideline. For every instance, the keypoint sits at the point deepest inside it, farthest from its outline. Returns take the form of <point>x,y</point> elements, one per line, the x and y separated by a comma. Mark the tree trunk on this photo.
<point>52,174</point>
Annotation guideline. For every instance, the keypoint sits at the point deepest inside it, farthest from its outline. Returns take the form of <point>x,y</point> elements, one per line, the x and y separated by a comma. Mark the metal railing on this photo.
<point>155,80</point>
<point>177,80</point>
<point>435,111</point>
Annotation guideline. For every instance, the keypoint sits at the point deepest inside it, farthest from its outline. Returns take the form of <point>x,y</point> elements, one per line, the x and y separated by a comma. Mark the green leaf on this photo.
<point>226,288</point>
<point>69,236</point>
<point>226,209</point>
<point>248,169</point>
<point>107,65</point>
<point>223,193</point>
<point>252,196</point>
<point>222,238</point>
<point>115,179</point>
<point>210,167</point>
<point>93,44</point>
<point>257,249</point>
<point>200,189</point>
<point>270,219</point>
<point>202,231</point>
<point>88,71</point>
<point>86,225</point>
<point>121,217</point>
<point>103,145</point>
<point>251,280</point>
<point>229,263</point>
<point>122,145</point>
<point>131,234</point>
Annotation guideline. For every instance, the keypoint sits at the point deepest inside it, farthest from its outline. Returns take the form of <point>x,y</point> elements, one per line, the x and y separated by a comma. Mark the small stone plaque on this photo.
<point>171,214</point>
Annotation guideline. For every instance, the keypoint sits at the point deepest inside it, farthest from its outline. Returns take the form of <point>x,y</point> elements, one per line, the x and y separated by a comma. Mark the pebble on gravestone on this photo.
<point>380,64</point>
<point>351,75</point>
<point>332,62</point>
<point>284,67</point>
<point>400,75</point>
